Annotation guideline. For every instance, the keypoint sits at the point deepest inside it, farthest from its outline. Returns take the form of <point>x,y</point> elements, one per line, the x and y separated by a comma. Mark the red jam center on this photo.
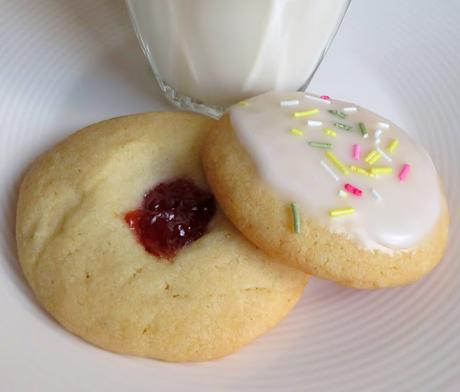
<point>173,214</point>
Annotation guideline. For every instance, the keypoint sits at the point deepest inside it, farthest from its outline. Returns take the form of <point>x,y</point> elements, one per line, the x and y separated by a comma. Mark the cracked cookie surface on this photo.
<point>88,270</point>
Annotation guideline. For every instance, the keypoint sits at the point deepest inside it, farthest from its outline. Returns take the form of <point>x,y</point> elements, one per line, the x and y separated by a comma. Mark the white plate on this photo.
<point>67,63</point>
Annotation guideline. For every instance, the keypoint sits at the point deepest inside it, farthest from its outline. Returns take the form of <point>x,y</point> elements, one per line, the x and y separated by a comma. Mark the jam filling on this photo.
<point>173,214</point>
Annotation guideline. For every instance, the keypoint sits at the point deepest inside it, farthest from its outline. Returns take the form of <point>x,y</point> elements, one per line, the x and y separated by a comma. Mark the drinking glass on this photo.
<point>209,54</point>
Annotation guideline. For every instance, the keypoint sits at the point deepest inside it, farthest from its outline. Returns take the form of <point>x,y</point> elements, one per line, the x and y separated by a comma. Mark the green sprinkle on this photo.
<point>326,146</point>
<point>345,127</point>
<point>363,130</point>
<point>337,114</point>
<point>296,217</point>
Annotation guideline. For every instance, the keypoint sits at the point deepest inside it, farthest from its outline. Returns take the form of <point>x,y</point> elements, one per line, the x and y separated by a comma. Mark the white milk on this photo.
<point>222,51</point>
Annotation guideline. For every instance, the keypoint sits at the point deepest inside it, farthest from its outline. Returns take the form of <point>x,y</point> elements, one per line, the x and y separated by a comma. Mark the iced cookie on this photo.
<point>328,187</point>
<point>122,242</point>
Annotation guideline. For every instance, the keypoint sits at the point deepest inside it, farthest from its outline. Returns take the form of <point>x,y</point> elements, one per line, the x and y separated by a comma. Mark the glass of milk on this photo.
<point>209,54</point>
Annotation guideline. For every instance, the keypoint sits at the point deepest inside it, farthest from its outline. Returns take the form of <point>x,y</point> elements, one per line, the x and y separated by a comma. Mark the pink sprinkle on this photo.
<point>326,97</point>
<point>353,190</point>
<point>404,172</point>
<point>356,152</point>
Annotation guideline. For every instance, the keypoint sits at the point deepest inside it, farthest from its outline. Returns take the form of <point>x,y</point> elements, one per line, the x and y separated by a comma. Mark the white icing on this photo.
<point>390,215</point>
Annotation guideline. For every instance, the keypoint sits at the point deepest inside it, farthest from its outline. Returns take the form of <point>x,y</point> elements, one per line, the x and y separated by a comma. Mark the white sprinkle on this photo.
<point>350,109</point>
<point>384,125</point>
<point>329,170</point>
<point>384,154</point>
<point>317,99</point>
<point>291,102</point>
<point>343,194</point>
<point>376,195</point>
<point>377,141</point>
<point>315,123</point>
<point>377,133</point>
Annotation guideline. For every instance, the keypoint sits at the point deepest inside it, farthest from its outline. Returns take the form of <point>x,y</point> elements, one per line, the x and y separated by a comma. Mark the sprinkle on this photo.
<point>330,132</point>
<point>382,170</point>
<point>377,133</point>
<point>384,154</point>
<point>345,127</point>
<point>404,172</point>
<point>309,112</point>
<point>338,164</point>
<point>343,194</point>
<point>363,130</point>
<point>384,125</point>
<point>243,103</point>
<point>392,146</point>
<point>356,152</point>
<point>371,155</point>
<point>353,190</point>
<point>342,211</point>
<point>326,146</point>
<point>360,170</point>
<point>329,170</point>
<point>350,109</point>
<point>296,131</point>
<point>323,98</point>
<point>315,123</point>
<point>375,194</point>
<point>375,158</point>
<point>337,114</point>
<point>377,141</point>
<point>296,217</point>
<point>289,102</point>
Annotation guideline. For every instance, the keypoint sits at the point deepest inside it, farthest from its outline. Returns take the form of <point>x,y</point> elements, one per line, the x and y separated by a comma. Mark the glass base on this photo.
<point>187,103</point>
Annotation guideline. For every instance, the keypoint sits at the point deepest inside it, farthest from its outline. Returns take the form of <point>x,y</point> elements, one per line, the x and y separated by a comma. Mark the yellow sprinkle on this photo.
<point>382,170</point>
<point>392,146</point>
<point>296,131</point>
<point>337,163</point>
<point>243,103</point>
<point>360,170</point>
<point>330,132</point>
<point>342,211</point>
<point>306,113</point>
<point>370,155</point>
<point>374,158</point>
